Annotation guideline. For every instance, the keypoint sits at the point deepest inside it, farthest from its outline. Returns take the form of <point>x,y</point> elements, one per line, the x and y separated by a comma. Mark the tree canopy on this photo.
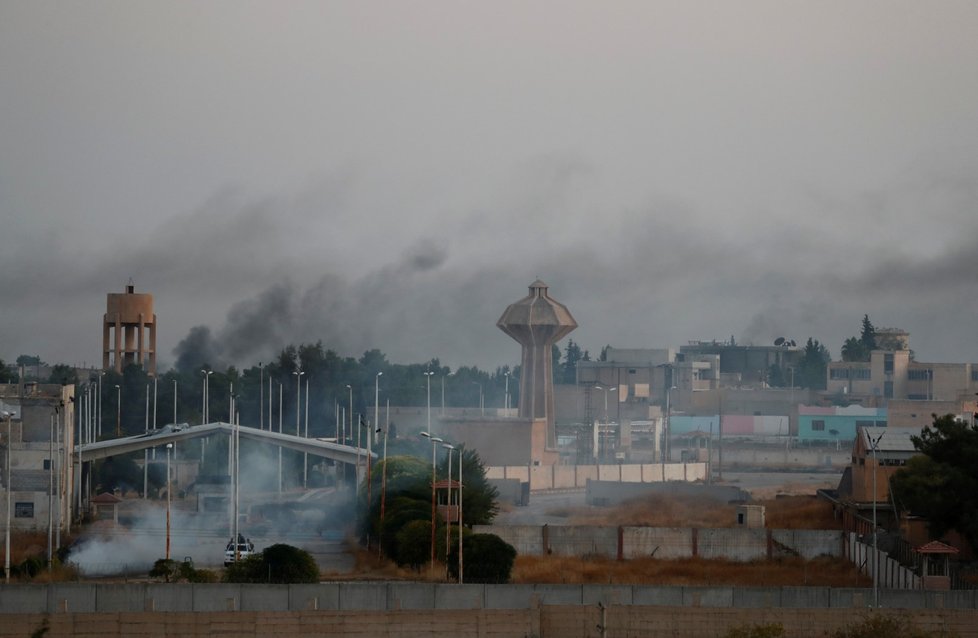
<point>813,364</point>
<point>941,483</point>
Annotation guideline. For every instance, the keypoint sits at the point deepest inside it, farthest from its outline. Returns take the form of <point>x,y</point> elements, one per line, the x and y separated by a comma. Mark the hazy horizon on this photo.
<point>392,176</point>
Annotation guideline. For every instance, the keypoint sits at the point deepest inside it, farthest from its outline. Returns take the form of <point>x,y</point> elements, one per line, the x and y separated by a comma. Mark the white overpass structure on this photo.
<point>326,448</point>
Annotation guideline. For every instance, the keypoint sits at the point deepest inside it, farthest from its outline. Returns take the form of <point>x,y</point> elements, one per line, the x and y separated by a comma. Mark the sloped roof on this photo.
<point>889,439</point>
<point>936,547</point>
<point>106,498</point>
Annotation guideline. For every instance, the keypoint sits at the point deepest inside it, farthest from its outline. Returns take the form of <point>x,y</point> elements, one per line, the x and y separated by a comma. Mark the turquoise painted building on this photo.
<point>836,424</point>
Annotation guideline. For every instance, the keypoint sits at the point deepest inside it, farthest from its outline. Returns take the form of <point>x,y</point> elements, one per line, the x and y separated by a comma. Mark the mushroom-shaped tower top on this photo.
<point>537,322</point>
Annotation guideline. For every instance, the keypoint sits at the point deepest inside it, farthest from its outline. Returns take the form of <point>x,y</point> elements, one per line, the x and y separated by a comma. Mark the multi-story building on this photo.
<point>36,425</point>
<point>893,374</point>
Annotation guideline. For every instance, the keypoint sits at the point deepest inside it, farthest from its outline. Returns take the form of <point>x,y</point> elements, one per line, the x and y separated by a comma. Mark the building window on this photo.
<point>974,374</point>
<point>888,389</point>
<point>862,373</point>
<point>881,424</point>
<point>888,363</point>
<point>632,371</point>
<point>917,397</point>
<point>23,510</point>
<point>838,373</point>
<point>818,426</point>
<point>919,374</point>
<point>864,424</point>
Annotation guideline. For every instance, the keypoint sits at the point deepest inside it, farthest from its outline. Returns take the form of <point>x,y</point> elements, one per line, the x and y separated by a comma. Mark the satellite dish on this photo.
<point>779,341</point>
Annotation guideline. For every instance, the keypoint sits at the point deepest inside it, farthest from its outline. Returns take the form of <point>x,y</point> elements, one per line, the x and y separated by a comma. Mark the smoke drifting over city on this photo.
<point>673,172</point>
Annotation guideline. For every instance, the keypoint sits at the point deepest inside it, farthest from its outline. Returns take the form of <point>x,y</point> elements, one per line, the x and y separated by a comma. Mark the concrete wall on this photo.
<point>551,477</point>
<point>79,599</point>
<point>739,544</point>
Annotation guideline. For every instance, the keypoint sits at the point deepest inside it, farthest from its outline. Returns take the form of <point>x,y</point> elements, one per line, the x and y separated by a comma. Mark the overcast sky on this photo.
<point>392,174</point>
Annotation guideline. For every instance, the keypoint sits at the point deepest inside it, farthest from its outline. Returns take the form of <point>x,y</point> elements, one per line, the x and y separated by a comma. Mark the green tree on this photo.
<point>854,350</point>
<point>775,376</point>
<point>6,374</point>
<point>868,335</point>
<point>813,364</point>
<point>941,484</point>
<point>568,369</point>
<point>414,544</point>
<point>63,374</point>
<point>487,559</point>
<point>278,563</point>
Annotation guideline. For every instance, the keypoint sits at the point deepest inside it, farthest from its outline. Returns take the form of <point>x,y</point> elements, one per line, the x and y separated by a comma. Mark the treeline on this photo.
<point>326,378</point>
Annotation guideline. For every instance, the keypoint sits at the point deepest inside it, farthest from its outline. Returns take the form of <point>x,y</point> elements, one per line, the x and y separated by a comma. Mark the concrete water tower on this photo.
<point>537,322</point>
<point>128,318</point>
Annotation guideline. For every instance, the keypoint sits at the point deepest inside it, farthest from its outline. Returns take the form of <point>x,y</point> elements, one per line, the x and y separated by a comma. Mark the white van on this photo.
<point>242,550</point>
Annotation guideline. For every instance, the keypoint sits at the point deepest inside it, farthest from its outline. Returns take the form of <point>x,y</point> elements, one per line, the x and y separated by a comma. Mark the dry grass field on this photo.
<point>694,571</point>
<point>791,512</point>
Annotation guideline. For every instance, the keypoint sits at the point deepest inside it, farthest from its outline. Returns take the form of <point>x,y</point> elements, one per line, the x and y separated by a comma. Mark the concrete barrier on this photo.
<point>242,600</point>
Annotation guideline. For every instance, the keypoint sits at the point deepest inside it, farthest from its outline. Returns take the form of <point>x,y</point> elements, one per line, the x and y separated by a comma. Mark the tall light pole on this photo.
<point>605,392</point>
<point>428,378</point>
<point>6,484</point>
<point>298,394</point>
<point>118,411</point>
<point>434,445</point>
<point>174,402</point>
<point>261,398</point>
<point>383,479</point>
<point>448,527</point>
<point>874,443</point>
<point>460,450</point>
<point>666,452</point>
<point>98,401</point>
<point>506,403</point>
<point>376,403</point>
<point>206,417</point>
<point>350,388</point>
<point>169,448</point>
<point>305,455</point>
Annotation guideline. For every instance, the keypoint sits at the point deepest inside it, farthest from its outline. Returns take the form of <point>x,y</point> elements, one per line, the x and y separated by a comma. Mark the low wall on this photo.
<point>87,598</point>
<point>888,573</point>
<point>732,543</point>
<point>543,621</point>
<point>558,477</point>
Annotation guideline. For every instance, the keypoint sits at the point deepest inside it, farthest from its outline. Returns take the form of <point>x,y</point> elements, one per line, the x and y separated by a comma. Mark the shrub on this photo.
<point>414,544</point>
<point>486,559</point>
<point>276,564</point>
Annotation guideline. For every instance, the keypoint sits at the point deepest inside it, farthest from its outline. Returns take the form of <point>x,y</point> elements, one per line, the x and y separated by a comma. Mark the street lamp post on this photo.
<point>876,588</point>
<point>174,402</point>
<point>507,394</point>
<point>118,411</point>
<point>460,516</point>
<point>169,448</point>
<point>376,403</point>
<point>350,432</point>
<point>434,443</point>
<point>428,377</point>
<point>261,397</point>
<point>207,395</point>
<point>98,401</point>
<point>605,392</point>
<point>448,527</point>
<point>6,484</point>
<point>383,479</point>
<point>667,430</point>
<point>298,394</point>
